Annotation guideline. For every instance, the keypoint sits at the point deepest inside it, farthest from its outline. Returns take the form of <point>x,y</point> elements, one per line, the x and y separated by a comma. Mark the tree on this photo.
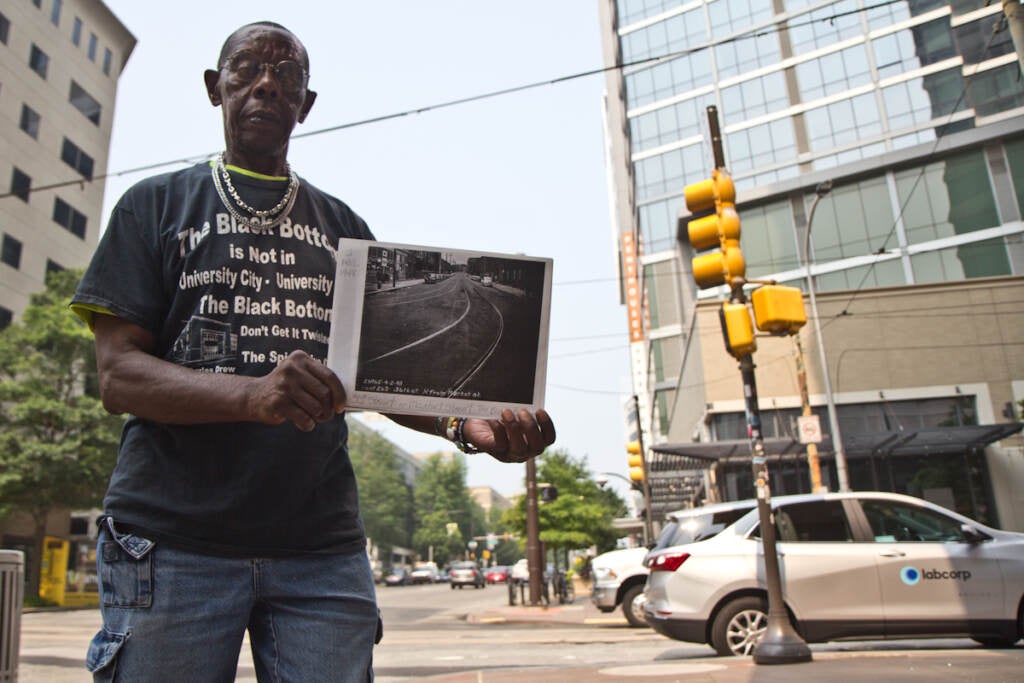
<point>58,445</point>
<point>581,516</point>
<point>385,500</point>
<point>442,499</point>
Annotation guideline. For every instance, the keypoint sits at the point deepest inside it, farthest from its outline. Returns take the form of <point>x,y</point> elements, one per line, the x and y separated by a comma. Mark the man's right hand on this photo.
<point>299,389</point>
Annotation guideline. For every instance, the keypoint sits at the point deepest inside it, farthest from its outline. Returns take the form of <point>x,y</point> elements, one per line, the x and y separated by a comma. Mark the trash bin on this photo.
<point>12,586</point>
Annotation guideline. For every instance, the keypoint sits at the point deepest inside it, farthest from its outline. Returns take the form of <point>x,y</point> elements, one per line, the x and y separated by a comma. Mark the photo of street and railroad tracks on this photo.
<point>452,325</point>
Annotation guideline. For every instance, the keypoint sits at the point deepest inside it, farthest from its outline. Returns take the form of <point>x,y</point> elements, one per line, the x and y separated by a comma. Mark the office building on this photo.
<point>914,111</point>
<point>60,61</point>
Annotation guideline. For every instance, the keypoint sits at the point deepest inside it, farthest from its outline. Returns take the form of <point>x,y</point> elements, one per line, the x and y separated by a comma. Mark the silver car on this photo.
<point>854,565</point>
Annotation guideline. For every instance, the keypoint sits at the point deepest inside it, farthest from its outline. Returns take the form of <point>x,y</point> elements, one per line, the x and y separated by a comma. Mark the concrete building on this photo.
<point>60,61</point>
<point>914,110</point>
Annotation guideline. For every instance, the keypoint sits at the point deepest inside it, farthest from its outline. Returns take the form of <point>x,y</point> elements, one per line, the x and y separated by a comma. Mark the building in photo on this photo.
<point>914,112</point>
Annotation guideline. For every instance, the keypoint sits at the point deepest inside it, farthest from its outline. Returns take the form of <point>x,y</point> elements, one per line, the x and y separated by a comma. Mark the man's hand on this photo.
<point>299,389</point>
<point>513,438</point>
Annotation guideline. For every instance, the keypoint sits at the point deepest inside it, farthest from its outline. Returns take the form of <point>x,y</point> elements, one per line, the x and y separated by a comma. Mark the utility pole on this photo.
<point>648,514</point>
<point>812,448</point>
<point>1014,13</point>
<point>534,557</point>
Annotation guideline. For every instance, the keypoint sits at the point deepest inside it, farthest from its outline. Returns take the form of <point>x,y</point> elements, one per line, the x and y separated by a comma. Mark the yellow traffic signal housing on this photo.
<point>636,461</point>
<point>737,329</point>
<point>720,229</point>
<point>778,309</point>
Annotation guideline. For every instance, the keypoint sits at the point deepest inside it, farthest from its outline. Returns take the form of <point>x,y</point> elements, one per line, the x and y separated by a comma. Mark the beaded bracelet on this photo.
<point>452,429</point>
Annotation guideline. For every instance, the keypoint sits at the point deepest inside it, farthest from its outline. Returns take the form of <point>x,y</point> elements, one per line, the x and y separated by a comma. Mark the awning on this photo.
<point>894,443</point>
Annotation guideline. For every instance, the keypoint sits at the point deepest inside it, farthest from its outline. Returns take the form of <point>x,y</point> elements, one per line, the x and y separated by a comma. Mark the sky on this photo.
<point>518,173</point>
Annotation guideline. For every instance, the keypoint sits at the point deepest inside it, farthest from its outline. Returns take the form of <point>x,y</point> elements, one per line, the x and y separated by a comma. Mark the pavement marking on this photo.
<point>603,620</point>
<point>661,669</point>
<point>491,620</point>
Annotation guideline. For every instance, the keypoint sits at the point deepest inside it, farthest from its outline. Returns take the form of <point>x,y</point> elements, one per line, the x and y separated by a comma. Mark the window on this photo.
<point>53,267</point>
<point>92,47</point>
<point>107,59</point>
<point>76,32</point>
<point>38,3</point>
<point>55,12</point>
<point>38,61</point>
<point>85,103</point>
<point>77,159</point>
<point>895,522</point>
<point>10,252</point>
<point>5,28</point>
<point>855,220</point>
<point>70,218</point>
<point>21,184</point>
<point>816,521</point>
<point>29,121</point>
<point>768,238</point>
<point>1015,159</point>
<point>6,317</point>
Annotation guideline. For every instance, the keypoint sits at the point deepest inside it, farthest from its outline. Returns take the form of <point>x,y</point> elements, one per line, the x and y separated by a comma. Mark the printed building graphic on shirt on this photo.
<point>204,341</point>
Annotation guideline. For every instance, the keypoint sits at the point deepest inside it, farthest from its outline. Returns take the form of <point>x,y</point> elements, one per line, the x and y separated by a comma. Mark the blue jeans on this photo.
<point>173,615</point>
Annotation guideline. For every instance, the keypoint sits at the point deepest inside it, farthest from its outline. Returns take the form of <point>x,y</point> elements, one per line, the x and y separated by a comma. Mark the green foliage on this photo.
<point>385,500</point>
<point>581,515</point>
<point>441,498</point>
<point>58,445</point>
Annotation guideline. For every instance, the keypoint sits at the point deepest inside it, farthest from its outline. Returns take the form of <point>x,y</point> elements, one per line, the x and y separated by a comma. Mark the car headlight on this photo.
<point>604,573</point>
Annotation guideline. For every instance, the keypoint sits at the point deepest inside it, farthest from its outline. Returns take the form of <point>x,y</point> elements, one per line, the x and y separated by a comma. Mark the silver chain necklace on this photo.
<point>257,218</point>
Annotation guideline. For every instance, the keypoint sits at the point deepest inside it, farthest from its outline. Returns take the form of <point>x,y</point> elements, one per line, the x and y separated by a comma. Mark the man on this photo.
<point>233,505</point>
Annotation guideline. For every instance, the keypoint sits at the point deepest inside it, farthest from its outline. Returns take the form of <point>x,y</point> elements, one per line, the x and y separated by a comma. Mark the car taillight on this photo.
<point>668,562</point>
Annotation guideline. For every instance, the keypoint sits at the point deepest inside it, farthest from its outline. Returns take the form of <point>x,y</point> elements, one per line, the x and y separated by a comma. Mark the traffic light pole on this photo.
<point>780,644</point>
<point>648,521</point>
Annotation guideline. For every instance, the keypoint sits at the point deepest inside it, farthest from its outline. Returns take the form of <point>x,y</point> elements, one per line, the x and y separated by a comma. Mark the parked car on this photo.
<point>487,281</point>
<point>424,572</point>
<point>466,574</point>
<point>398,576</point>
<point>854,565</point>
<point>497,574</point>
<point>620,575</point>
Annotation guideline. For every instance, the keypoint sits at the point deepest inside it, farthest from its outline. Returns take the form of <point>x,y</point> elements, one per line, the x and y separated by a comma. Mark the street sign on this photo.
<point>810,429</point>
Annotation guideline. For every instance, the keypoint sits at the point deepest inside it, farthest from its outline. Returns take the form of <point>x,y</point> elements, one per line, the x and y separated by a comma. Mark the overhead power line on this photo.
<point>746,35</point>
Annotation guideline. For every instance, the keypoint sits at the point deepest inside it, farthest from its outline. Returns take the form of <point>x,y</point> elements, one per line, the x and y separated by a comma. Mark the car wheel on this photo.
<point>738,627</point>
<point>633,606</point>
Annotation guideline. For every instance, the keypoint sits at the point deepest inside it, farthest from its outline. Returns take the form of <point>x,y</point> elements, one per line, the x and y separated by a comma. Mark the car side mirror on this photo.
<point>972,535</point>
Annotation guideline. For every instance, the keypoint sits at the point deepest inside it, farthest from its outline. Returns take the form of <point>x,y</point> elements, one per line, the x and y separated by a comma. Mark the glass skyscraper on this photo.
<point>914,110</point>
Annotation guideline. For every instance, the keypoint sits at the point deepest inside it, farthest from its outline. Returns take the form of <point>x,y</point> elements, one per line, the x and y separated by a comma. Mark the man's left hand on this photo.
<point>513,438</point>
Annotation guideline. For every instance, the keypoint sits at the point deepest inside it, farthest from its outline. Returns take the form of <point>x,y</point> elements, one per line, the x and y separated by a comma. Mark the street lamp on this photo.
<point>820,191</point>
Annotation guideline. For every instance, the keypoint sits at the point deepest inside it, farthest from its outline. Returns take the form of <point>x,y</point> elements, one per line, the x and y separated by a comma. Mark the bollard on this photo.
<point>12,586</point>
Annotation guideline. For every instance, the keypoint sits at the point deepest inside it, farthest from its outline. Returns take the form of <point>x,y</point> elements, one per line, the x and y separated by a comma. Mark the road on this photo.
<point>434,632</point>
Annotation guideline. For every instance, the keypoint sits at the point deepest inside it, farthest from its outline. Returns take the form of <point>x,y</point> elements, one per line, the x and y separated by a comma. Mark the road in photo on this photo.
<point>452,335</point>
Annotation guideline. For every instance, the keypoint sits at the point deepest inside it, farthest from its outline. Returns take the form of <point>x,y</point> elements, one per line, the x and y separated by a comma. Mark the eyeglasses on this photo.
<point>246,67</point>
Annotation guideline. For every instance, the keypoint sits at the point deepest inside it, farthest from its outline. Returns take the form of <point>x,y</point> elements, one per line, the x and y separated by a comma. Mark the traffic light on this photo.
<point>778,309</point>
<point>737,329</point>
<point>636,461</point>
<point>719,230</point>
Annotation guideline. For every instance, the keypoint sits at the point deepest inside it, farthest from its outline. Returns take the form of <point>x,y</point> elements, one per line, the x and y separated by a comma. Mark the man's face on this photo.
<point>262,93</point>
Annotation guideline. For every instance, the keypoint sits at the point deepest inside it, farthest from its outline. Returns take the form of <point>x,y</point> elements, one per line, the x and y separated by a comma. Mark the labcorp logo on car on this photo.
<point>912,575</point>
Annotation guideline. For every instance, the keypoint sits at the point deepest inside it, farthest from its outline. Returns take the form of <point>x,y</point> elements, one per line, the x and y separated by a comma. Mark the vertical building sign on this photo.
<point>631,277</point>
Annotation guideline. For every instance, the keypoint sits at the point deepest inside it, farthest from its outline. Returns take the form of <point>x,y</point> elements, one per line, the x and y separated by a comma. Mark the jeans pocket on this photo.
<point>100,660</point>
<point>126,577</point>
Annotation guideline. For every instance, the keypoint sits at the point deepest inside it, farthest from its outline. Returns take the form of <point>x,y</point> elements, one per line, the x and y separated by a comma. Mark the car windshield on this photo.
<point>699,527</point>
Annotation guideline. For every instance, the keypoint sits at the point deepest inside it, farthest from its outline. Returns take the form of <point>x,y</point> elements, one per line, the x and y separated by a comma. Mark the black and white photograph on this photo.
<point>425,330</point>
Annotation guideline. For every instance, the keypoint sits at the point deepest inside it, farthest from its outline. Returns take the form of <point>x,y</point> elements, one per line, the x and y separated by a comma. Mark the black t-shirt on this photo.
<point>224,299</point>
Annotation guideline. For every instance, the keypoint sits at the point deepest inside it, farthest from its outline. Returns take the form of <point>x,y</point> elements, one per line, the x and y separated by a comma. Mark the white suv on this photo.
<point>619,575</point>
<point>854,565</point>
